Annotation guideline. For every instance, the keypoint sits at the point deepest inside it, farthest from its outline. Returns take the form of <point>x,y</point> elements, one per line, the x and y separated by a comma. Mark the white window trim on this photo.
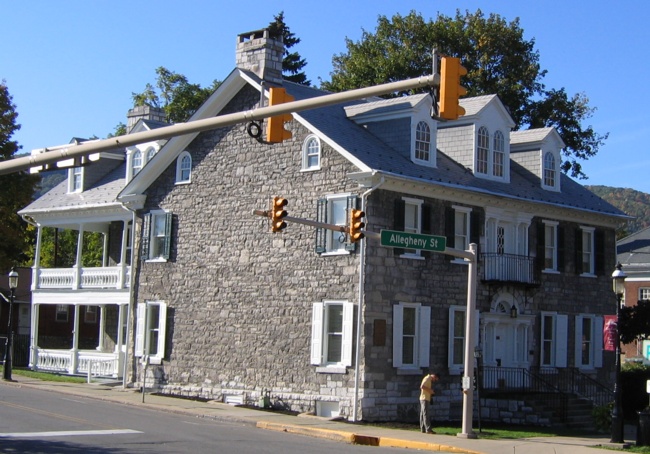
<point>559,341</point>
<point>468,212</point>
<point>457,369</point>
<point>432,161</point>
<point>595,353</point>
<point>644,293</point>
<point>554,225</point>
<point>318,333</point>
<point>71,179</point>
<point>331,233</point>
<point>417,255</point>
<point>305,154</point>
<point>154,214</point>
<point>489,173</point>
<point>422,340</point>
<point>556,178</point>
<point>142,346</point>
<point>592,258</point>
<point>179,168</point>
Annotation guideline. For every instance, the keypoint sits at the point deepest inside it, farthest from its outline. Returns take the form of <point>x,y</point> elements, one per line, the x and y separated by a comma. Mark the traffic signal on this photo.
<point>275,132</point>
<point>356,224</point>
<point>278,213</point>
<point>450,88</point>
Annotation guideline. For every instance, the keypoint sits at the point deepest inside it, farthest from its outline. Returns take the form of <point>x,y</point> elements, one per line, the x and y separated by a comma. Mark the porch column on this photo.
<point>120,339</point>
<point>105,250</point>
<point>33,337</point>
<point>102,328</point>
<point>75,341</point>
<point>37,257</point>
<point>123,264</point>
<point>78,264</point>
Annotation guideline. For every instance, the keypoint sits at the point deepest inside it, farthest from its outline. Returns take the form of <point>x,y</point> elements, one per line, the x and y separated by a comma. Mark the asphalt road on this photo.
<point>34,421</point>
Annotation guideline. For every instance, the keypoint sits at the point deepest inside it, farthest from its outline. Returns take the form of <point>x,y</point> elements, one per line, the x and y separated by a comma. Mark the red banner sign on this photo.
<point>610,333</point>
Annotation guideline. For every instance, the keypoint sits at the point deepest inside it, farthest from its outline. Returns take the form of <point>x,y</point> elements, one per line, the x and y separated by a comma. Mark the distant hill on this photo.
<point>632,202</point>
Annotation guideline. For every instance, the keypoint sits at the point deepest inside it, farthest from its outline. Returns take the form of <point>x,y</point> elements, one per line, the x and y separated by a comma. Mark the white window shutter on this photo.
<point>317,334</point>
<point>140,329</point>
<point>598,342</point>
<point>424,336</point>
<point>561,340</point>
<point>162,327</point>
<point>348,325</point>
<point>577,354</point>
<point>398,325</point>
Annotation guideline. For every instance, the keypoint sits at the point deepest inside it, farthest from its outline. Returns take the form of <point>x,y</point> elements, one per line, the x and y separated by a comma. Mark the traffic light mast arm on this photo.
<point>50,156</point>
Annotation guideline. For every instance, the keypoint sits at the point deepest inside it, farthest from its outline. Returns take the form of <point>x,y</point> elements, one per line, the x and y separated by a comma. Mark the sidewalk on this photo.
<point>324,428</point>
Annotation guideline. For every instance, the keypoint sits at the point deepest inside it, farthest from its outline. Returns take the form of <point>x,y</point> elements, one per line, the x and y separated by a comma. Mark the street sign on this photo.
<point>393,238</point>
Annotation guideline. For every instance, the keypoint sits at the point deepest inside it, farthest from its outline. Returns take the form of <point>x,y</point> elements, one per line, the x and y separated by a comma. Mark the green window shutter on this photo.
<point>561,250</point>
<point>450,226</point>
<point>599,252</point>
<point>541,245</point>
<point>475,227</point>
<point>398,326</point>
<point>351,204</point>
<point>168,236</point>
<point>146,235</point>
<point>321,233</point>
<point>578,251</point>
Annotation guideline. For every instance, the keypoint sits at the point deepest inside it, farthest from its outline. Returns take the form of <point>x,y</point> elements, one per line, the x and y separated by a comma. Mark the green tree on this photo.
<point>17,189</point>
<point>635,322</point>
<point>498,60</point>
<point>292,62</point>
<point>179,98</point>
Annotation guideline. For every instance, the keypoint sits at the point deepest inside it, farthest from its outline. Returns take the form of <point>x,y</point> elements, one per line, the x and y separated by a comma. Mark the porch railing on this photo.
<point>113,277</point>
<point>509,268</point>
<point>76,363</point>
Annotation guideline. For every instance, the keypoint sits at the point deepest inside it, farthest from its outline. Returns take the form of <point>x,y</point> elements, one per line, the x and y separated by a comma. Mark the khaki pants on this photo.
<point>425,416</point>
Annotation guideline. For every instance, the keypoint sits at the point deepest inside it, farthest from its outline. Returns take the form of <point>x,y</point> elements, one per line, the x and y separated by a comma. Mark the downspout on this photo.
<point>127,341</point>
<point>362,283</point>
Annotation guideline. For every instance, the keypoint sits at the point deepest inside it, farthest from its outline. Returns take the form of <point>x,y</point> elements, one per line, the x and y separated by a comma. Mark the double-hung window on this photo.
<point>482,151</point>
<point>456,339</point>
<point>332,335</point>
<point>156,236</point>
<point>412,221</point>
<point>550,245</point>
<point>461,227</point>
<point>423,142</point>
<point>75,177</point>
<point>554,340</point>
<point>588,341</point>
<point>411,335</point>
<point>184,168</point>
<point>586,255</point>
<point>334,209</point>
<point>150,330</point>
<point>549,170</point>
<point>644,293</point>
<point>498,164</point>
<point>311,153</point>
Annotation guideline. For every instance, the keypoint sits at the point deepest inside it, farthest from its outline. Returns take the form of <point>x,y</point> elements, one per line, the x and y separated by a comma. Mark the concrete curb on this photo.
<point>359,439</point>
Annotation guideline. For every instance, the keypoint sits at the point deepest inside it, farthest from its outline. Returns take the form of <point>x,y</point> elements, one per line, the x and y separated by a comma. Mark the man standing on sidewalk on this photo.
<point>426,395</point>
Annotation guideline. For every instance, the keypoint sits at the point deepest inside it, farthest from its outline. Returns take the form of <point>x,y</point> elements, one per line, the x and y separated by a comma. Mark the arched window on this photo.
<point>136,162</point>
<point>499,154</point>
<point>549,170</point>
<point>311,153</point>
<point>184,168</point>
<point>423,142</point>
<point>482,150</point>
<point>151,151</point>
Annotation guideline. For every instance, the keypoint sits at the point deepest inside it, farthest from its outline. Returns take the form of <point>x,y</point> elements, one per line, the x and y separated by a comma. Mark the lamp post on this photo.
<point>478,354</point>
<point>13,283</point>
<point>618,282</point>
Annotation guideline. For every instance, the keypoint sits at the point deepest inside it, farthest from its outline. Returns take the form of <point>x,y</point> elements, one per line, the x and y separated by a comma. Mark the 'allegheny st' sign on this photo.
<point>393,238</point>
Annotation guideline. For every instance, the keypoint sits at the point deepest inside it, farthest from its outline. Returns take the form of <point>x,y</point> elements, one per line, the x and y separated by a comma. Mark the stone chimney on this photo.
<point>144,113</point>
<point>262,54</point>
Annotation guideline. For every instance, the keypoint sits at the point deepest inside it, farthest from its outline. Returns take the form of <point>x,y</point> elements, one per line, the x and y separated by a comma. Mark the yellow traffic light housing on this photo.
<point>450,88</point>
<point>356,224</point>
<point>275,132</point>
<point>278,213</point>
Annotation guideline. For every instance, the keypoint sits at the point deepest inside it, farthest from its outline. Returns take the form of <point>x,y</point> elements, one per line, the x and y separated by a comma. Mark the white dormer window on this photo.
<point>499,155</point>
<point>482,150</point>
<point>151,152</point>
<point>136,162</point>
<point>423,142</point>
<point>75,179</point>
<point>184,168</point>
<point>311,153</point>
<point>550,171</point>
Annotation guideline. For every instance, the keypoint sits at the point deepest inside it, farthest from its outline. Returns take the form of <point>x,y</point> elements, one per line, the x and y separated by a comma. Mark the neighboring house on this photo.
<point>228,310</point>
<point>80,313</point>
<point>634,255</point>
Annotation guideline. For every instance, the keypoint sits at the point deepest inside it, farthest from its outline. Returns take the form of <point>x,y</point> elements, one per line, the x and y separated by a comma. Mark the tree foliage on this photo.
<point>498,59</point>
<point>17,189</point>
<point>635,322</point>
<point>292,62</point>
<point>175,94</point>
<point>59,248</point>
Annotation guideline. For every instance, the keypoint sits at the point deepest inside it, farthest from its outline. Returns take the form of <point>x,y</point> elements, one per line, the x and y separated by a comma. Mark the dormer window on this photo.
<point>499,155</point>
<point>549,170</point>
<point>75,179</point>
<point>482,150</point>
<point>136,162</point>
<point>491,160</point>
<point>151,152</point>
<point>311,153</point>
<point>423,142</point>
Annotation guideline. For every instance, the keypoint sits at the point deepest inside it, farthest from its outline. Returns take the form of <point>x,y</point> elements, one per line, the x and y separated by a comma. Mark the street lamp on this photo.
<point>13,283</point>
<point>478,354</point>
<point>618,283</point>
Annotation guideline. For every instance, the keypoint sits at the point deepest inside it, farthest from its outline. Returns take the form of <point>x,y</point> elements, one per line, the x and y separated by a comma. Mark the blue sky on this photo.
<point>71,66</point>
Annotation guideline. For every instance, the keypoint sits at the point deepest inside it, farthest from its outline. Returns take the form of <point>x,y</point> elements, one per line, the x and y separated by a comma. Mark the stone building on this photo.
<point>222,308</point>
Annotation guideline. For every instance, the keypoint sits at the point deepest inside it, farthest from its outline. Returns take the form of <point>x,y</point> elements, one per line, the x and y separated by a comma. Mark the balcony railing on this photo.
<point>510,268</point>
<point>114,277</point>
